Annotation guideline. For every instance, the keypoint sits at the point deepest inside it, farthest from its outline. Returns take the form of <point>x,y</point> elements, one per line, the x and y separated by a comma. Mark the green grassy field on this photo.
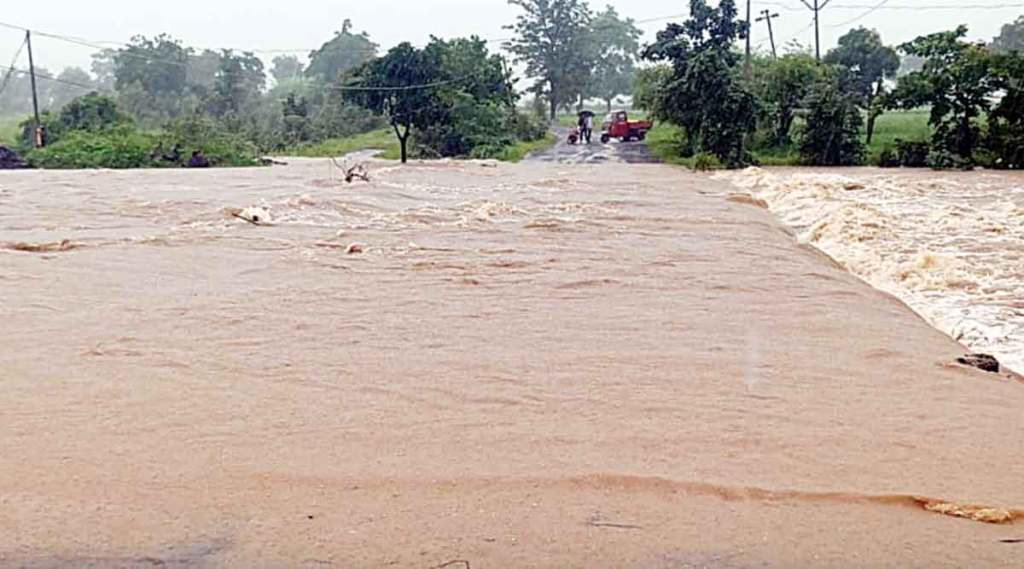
<point>903,125</point>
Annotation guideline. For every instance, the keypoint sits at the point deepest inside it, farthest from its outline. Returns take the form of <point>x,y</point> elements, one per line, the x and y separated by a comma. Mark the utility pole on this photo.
<point>39,134</point>
<point>767,16</point>
<point>816,8</point>
<point>746,65</point>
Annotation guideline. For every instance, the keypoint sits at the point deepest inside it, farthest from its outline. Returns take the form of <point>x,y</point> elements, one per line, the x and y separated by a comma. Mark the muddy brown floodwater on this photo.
<point>540,365</point>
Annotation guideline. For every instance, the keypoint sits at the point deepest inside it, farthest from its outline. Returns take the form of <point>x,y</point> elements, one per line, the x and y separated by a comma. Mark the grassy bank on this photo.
<point>904,125</point>
<point>385,141</point>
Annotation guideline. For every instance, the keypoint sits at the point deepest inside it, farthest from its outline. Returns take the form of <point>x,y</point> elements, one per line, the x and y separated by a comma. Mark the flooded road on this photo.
<point>541,365</point>
<point>594,153</point>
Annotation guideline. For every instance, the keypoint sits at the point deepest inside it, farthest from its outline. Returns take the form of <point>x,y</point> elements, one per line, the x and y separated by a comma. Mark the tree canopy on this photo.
<point>869,62</point>
<point>342,53</point>
<point>955,81</point>
<point>617,43</point>
<point>704,95</point>
<point>552,40</point>
<point>1010,38</point>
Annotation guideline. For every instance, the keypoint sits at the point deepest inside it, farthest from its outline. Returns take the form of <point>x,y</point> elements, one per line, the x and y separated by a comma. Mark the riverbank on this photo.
<point>513,365</point>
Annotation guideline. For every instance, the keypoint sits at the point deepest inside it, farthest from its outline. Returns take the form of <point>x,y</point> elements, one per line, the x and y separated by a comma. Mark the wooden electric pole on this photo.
<point>746,65</point>
<point>767,16</point>
<point>816,7</point>
<point>40,139</point>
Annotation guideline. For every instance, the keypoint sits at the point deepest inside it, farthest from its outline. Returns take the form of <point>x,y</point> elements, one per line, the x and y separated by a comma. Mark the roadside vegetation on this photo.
<point>960,106</point>
<point>939,101</point>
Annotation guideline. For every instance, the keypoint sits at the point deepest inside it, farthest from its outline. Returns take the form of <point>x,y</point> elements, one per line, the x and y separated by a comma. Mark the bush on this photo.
<point>113,148</point>
<point>946,160</point>
<point>199,133</point>
<point>705,162</point>
<point>912,154</point>
<point>888,158</point>
<point>831,134</point>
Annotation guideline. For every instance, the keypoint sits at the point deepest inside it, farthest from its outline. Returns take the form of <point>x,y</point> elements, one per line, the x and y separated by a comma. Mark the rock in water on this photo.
<point>10,160</point>
<point>983,362</point>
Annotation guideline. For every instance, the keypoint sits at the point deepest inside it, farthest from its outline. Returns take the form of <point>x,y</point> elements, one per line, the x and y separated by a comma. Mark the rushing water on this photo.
<point>949,245</point>
<point>543,365</point>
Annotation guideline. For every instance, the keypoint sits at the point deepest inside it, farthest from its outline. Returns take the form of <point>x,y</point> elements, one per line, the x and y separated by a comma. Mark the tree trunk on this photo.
<point>609,101</point>
<point>872,115</point>
<point>403,139</point>
<point>553,99</point>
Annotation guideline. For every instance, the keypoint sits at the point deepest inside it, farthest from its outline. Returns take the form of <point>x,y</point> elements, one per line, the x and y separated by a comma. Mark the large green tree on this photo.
<point>1006,121</point>
<point>956,82</point>
<point>1010,38</point>
<point>151,76</point>
<point>344,52</point>
<point>705,96</point>
<point>553,41</point>
<point>617,42</point>
<point>239,81</point>
<point>831,132</point>
<point>782,85</point>
<point>402,86</point>
<point>870,63</point>
<point>476,104</point>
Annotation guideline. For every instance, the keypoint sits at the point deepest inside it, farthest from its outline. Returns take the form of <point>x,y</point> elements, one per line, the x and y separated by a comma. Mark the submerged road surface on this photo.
<point>593,153</point>
<point>472,365</point>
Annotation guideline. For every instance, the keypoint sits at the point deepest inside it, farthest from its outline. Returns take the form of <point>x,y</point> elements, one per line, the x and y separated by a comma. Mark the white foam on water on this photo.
<point>952,249</point>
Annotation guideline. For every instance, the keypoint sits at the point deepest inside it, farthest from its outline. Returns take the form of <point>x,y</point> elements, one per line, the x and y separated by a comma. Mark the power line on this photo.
<point>10,69</point>
<point>55,79</point>
<point>870,11</point>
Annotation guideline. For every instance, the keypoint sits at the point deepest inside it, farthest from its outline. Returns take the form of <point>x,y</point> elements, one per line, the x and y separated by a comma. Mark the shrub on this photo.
<point>113,148</point>
<point>831,135</point>
<point>912,154</point>
<point>705,161</point>
<point>199,133</point>
<point>888,158</point>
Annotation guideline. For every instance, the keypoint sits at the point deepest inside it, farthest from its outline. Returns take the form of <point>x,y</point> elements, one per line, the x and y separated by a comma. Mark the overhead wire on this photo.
<point>10,68</point>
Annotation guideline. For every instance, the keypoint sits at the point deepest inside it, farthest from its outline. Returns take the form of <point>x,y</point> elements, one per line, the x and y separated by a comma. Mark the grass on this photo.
<point>902,125</point>
<point>519,151</point>
<point>383,139</point>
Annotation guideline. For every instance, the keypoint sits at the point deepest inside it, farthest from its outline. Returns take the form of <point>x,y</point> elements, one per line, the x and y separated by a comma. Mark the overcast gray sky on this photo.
<point>305,24</point>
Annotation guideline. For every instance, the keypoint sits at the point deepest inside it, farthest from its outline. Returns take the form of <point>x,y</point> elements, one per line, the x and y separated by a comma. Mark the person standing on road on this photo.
<point>588,122</point>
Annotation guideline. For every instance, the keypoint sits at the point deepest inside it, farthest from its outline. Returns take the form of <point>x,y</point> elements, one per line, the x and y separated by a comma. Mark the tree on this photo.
<point>285,67</point>
<point>344,52</point>
<point>1010,38</point>
<point>475,114</point>
<point>782,85</point>
<point>649,88</point>
<point>552,40</point>
<point>1006,121</point>
<point>956,82</point>
<point>401,86</point>
<point>870,63</point>
<point>151,76</point>
<point>831,135</point>
<point>71,83</point>
<point>704,96</point>
<point>238,82</point>
<point>618,44</point>
<point>103,68</point>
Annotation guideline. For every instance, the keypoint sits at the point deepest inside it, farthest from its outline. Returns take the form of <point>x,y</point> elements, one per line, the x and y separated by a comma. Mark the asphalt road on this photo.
<point>594,153</point>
